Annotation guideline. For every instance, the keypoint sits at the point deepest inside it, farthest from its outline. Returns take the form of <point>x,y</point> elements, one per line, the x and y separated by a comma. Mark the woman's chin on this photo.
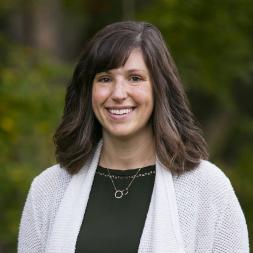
<point>120,133</point>
<point>127,132</point>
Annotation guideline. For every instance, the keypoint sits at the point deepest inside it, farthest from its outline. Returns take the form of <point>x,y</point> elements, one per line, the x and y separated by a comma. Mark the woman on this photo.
<point>132,173</point>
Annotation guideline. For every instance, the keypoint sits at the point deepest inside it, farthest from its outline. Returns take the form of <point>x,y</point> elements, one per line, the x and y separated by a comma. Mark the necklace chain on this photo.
<point>118,194</point>
<point>126,177</point>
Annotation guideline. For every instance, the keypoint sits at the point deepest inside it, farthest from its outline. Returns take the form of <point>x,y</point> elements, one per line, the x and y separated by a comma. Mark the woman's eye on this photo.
<point>135,78</point>
<point>104,79</point>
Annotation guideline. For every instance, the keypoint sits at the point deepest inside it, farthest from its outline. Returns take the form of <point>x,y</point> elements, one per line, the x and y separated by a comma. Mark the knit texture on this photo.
<point>209,214</point>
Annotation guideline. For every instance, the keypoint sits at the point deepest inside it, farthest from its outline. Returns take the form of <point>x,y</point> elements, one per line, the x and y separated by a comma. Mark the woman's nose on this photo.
<point>119,90</point>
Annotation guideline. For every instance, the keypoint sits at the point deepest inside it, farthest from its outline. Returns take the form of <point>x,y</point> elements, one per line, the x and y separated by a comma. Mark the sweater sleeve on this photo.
<point>231,233</point>
<point>29,239</point>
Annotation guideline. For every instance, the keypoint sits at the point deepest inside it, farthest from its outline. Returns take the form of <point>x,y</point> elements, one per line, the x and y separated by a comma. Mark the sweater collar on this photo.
<point>161,231</point>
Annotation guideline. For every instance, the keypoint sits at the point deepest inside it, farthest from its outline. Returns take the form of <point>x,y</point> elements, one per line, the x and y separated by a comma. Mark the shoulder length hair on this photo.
<point>178,141</point>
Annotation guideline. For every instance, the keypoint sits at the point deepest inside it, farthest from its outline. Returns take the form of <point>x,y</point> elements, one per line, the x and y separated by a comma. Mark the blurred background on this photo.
<point>40,42</point>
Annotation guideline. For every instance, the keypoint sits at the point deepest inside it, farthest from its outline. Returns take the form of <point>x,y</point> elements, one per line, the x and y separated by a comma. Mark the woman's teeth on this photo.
<point>120,111</point>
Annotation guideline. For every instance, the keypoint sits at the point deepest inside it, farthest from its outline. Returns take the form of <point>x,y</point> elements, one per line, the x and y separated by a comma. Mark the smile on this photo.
<point>121,111</point>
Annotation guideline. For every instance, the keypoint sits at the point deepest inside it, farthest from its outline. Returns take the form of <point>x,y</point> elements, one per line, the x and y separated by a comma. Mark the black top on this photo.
<point>115,225</point>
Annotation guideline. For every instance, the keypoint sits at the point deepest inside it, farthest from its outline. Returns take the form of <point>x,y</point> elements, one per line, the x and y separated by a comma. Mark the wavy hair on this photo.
<point>178,140</point>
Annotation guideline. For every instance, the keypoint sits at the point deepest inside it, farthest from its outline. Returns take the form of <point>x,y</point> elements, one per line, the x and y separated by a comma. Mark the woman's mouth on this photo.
<point>120,113</point>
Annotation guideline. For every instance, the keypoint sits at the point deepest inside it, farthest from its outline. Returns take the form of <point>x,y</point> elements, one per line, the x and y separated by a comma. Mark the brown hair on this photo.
<point>178,141</point>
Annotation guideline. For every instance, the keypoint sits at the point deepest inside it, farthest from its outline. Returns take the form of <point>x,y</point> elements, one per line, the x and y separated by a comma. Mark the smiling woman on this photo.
<point>132,172</point>
<point>122,100</point>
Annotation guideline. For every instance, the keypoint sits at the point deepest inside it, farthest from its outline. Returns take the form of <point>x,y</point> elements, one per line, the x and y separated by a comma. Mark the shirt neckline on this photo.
<point>128,172</point>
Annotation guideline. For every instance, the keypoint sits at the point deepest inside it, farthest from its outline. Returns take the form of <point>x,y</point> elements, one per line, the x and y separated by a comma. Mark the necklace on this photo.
<point>118,194</point>
<point>126,177</point>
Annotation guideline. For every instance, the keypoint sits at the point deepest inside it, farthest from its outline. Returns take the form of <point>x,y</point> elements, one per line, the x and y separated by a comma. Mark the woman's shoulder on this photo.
<point>206,180</point>
<point>50,182</point>
<point>52,176</point>
<point>205,172</point>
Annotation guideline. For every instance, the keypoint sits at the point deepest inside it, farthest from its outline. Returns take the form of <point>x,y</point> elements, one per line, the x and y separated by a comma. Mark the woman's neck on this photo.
<point>127,154</point>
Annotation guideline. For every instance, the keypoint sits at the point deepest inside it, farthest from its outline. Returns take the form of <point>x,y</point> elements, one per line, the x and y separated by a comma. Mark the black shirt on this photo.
<point>115,225</point>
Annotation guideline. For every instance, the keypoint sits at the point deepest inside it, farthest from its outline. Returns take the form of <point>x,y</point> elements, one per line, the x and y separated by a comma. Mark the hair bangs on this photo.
<point>113,52</point>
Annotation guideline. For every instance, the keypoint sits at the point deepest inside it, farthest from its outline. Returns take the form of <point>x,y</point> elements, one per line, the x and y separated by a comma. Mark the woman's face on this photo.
<point>122,98</point>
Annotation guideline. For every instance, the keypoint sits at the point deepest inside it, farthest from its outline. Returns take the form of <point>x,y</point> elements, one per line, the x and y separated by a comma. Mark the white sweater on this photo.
<point>195,212</point>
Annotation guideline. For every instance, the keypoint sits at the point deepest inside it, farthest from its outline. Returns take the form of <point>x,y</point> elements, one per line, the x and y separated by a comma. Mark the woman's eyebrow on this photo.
<point>129,71</point>
<point>111,71</point>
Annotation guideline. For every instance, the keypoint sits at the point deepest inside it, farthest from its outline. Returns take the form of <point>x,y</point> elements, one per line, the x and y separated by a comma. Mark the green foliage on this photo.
<point>32,93</point>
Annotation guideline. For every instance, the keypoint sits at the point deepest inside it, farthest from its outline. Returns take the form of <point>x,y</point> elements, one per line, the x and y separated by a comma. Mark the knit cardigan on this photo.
<point>194,212</point>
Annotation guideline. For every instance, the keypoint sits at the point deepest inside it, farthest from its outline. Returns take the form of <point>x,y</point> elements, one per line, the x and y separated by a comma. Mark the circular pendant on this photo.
<point>118,194</point>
